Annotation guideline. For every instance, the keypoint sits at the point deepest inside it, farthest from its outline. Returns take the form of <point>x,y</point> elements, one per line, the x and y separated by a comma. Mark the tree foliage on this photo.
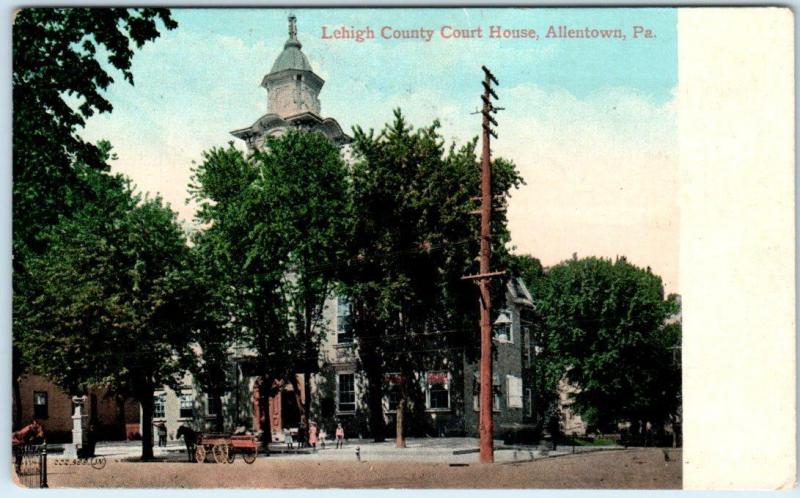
<point>277,221</point>
<point>413,239</point>
<point>58,81</point>
<point>114,298</point>
<point>608,329</point>
<point>58,78</point>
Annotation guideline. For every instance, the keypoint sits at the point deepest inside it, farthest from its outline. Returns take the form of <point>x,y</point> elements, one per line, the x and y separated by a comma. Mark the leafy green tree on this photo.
<point>114,298</point>
<point>609,330</point>
<point>278,220</point>
<point>214,331</point>
<point>55,55</point>
<point>56,59</point>
<point>413,238</point>
<point>528,268</point>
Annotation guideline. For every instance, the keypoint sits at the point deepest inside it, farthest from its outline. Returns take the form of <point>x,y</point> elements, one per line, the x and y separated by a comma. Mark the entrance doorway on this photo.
<point>290,412</point>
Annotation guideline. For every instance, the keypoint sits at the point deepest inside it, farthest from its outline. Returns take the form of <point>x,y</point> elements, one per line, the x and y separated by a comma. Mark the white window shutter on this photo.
<point>514,385</point>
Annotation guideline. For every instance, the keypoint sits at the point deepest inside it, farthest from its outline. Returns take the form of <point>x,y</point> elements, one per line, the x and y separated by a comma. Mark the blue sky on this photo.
<point>590,123</point>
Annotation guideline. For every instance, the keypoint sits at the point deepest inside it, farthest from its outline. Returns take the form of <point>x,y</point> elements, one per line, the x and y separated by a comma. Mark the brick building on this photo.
<point>42,400</point>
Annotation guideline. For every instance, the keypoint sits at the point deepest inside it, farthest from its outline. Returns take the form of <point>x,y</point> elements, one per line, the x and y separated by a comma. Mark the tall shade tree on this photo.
<point>609,330</point>
<point>214,330</point>
<point>114,299</point>
<point>278,220</point>
<point>413,239</point>
<point>56,58</point>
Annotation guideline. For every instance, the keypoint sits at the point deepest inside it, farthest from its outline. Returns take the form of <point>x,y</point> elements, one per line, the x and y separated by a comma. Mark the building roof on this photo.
<point>308,121</point>
<point>519,292</point>
<point>292,56</point>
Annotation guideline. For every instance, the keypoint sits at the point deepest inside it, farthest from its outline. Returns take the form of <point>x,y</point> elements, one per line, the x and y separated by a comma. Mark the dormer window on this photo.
<point>503,327</point>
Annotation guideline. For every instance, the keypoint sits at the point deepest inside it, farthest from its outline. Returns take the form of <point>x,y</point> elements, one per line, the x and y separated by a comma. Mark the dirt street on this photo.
<point>634,468</point>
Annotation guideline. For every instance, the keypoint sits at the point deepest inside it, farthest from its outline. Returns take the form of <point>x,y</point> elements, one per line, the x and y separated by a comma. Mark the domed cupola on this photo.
<point>292,100</point>
<point>292,56</point>
<point>292,86</point>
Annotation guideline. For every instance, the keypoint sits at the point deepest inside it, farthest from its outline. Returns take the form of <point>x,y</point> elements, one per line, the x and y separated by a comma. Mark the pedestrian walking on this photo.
<point>302,435</point>
<point>339,436</point>
<point>287,438</point>
<point>162,434</point>
<point>312,436</point>
<point>323,436</point>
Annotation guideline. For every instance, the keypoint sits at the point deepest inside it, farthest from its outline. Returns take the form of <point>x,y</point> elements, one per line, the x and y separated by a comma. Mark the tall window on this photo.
<point>40,404</point>
<point>476,390</point>
<point>159,406</point>
<point>186,405</point>
<point>438,392</point>
<point>346,392</point>
<point>528,340</point>
<point>514,389</point>
<point>529,396</point>
<point>344,323</point>
<point>393,396</point>
<point>212,405</point>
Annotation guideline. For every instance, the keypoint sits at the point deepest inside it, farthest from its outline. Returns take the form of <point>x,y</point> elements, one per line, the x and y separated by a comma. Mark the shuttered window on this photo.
<point>514,388</point>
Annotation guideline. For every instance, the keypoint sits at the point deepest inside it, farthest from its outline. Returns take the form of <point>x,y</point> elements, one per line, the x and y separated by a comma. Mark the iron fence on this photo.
<point>30,465</point>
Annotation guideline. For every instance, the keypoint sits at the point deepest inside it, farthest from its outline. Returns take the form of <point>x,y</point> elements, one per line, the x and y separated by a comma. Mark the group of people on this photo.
<point>312,437</point>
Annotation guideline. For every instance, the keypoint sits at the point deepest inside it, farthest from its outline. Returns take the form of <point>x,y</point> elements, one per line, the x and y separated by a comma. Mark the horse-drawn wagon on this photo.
<point>224,447</point>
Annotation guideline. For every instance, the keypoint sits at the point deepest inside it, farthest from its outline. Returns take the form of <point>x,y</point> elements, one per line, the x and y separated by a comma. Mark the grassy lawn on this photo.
<point>579,441</point>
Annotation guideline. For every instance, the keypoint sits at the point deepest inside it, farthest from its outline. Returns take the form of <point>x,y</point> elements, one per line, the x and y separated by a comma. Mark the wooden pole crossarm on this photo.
<point>490,75</point>
<point>482,276</point>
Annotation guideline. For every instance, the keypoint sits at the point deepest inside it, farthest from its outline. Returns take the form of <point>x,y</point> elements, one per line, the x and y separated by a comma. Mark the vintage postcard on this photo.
<point>403,248</point>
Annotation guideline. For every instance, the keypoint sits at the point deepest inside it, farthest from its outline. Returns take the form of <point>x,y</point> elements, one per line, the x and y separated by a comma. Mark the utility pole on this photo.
<point>486,428</point>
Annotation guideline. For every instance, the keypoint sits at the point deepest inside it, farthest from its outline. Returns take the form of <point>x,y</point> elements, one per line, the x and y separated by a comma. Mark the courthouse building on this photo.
<point>449,394</point>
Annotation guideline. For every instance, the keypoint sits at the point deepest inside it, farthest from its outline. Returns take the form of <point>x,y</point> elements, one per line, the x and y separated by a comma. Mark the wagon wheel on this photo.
<point>200,453</point>
<point>249,457</point>
<point>231,454</point>
<point>221,453</point>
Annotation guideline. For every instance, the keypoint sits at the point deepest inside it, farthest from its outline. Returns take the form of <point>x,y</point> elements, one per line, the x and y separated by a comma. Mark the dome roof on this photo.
<point>291,58</point>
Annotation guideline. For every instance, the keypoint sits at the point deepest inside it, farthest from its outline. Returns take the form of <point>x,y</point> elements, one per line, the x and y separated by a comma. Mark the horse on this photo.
<point>30,434</point>
<point>190,439</point>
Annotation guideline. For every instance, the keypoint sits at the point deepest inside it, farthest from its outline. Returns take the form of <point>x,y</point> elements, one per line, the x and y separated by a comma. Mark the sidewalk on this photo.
<point>427,450</point>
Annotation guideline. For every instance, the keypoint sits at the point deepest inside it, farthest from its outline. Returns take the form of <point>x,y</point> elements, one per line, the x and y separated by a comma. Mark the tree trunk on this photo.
<point>375,401</point>
<point>120,401</point>
<point>146,400</point>
<point>17,422</point>
<point>16,373</point>
<point>307,396</point>
<point>219,419</point>
<point>263,406</point>
<point>400,440</point>
<point>298,398</point>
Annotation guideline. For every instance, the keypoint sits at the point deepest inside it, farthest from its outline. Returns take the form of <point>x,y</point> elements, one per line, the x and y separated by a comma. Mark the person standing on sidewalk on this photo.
<point>312,436</point>
<point>162,434</point>
<point>287,437</point>
<point>323,436</point>
<point>339,436</point>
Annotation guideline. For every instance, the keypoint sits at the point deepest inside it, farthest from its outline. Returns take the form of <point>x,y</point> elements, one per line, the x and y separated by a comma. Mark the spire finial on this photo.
<point>292,27</point>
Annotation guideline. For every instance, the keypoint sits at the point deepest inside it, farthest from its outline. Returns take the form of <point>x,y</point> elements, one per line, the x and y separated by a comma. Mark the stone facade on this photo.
<point>447,395</point>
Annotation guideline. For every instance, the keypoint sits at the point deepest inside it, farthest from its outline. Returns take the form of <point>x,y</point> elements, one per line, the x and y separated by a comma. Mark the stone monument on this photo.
<point>79,432</point>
